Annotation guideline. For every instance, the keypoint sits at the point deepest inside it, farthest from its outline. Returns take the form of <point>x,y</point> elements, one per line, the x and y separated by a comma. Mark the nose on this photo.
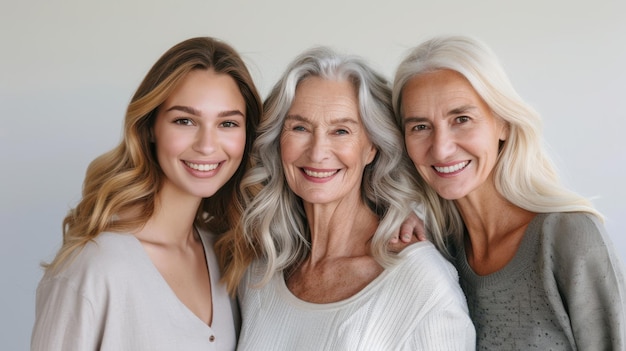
<point>205,140</point>
<point>442,144</point>
<point>319,146</point>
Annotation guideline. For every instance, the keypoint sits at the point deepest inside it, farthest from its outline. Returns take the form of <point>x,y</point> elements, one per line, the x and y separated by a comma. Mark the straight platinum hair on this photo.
<point>524,173</point>
<point>274,220</point>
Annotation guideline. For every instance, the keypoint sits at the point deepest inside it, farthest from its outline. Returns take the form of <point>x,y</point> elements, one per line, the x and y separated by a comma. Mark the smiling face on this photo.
<point>324,145</point>
<point>451,134</point>
<point>200,133</point>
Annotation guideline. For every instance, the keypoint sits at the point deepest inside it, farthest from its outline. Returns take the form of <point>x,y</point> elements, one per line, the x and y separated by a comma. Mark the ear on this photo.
<point>372,154</point>
<point>505,129</point>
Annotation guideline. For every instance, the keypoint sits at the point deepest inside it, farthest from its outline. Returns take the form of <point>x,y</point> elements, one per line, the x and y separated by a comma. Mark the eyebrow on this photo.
<point>455,111</point>
<point>193,111</point>
<point>408,120</point>
<point>462,109</point>
<point>334,121</point>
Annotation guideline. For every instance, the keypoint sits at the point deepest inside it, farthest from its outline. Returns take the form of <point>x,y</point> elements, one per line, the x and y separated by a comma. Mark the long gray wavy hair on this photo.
<point>274,220</point>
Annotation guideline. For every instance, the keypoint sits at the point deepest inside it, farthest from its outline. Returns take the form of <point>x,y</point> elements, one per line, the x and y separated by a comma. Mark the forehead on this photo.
<point>316,95</point>
<point>439,89</point>
<point>440,81</point>
<point>203,85</point>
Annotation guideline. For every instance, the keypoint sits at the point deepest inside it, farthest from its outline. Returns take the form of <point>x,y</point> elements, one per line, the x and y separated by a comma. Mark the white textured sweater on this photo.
<point>415,305</point>
<point>112,297</point>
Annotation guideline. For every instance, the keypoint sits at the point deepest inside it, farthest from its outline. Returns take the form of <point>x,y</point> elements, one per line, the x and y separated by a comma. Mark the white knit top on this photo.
<point>415,305</point>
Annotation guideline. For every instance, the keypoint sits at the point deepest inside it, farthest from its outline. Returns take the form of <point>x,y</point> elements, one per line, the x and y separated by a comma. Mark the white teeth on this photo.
<point>202,167</point>
<point>451,169</point>
<point>319,174</point>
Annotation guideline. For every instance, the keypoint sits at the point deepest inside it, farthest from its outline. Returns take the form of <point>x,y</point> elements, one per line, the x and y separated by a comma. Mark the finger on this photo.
<point>418,229</point>
<point>420,234</point>
<point>406,231</point>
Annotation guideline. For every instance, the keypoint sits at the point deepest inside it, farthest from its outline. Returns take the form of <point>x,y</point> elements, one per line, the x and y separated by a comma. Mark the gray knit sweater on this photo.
<point>563,290</point>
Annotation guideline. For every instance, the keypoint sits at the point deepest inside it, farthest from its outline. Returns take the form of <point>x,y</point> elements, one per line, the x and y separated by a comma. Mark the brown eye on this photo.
<point>184,121</point>
<point>230,124</point>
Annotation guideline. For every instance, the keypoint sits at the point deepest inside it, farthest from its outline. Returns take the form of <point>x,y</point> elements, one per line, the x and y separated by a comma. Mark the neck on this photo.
<point>172,222</point>
<point>495,229</point>
<point>487,213</point>
<point>340,230</point>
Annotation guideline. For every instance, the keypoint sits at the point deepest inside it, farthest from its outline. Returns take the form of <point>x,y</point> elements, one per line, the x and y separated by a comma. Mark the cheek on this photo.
<point>481,146</point>
<point>235,144</point>
<point>289,154</point>
<point>169,144</point>
<point>413,148</point>
<point>288,150</point>
<point>287,160</point>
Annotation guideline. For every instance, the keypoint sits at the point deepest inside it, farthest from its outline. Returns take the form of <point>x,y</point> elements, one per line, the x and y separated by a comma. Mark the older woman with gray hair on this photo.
<point>329,189</point>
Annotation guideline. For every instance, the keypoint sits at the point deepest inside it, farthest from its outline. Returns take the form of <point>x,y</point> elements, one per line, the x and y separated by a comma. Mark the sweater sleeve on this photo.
<point>446,328</point>
<point>591,281</point>
<point>64,318</point>
<point>446,324</point>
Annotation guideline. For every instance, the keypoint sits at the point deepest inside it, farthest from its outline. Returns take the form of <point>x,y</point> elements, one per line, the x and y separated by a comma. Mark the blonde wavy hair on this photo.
<point>524,173</point>
<point>129,177</point>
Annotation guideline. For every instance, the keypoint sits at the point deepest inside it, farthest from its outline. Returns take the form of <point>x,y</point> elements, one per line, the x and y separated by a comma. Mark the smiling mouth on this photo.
<point>202,167</point>
<point>451,169</point>
<point>319,174</point>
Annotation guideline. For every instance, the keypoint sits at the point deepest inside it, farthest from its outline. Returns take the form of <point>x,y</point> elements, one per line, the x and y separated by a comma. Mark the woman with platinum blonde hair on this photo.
<point>329,188</point>
<point>536,264</point>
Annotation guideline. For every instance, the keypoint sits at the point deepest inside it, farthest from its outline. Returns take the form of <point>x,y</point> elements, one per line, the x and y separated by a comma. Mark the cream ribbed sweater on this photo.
<point>415,305</point>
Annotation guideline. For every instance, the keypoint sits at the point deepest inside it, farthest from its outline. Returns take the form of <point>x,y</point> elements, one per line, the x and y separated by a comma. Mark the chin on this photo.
<point>450,195</point>
<point>203,193</point>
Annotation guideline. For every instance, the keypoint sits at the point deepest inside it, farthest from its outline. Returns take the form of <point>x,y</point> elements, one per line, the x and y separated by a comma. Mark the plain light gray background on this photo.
<point>69,68</point>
